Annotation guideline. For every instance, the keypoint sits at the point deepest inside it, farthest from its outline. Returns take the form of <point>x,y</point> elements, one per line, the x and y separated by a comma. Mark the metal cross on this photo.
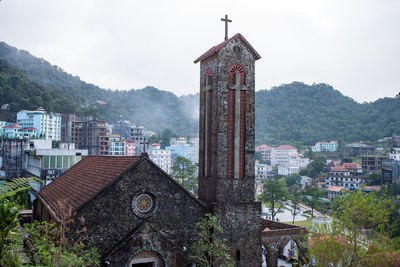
<point>226,20</point>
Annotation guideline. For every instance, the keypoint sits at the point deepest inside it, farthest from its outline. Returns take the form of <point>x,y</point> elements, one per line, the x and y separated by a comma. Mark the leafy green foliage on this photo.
<point>52,251</point>
<point>184,171</point>
<point>374,178</point>
<point>316,167</point>
<point>209,247</point>
<point>357,235</point>
<point>298,113</point>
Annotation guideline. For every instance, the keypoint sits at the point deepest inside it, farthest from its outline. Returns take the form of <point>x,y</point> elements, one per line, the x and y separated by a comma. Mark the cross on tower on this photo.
<point>144,143</point>
<point>226,20</point>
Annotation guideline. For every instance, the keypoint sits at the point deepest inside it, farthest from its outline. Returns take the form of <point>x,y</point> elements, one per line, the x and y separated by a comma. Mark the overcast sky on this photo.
<point>352,45</point>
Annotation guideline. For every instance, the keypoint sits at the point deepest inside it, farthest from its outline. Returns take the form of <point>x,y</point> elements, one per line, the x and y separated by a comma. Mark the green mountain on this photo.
<point>294,113</point>
<point>150,107</point>
<point>301,113</point>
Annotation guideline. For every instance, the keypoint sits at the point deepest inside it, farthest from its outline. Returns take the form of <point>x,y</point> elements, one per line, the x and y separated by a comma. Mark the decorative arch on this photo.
<point>147,252</point>
<point>208,75</point>
<point>234,69</point>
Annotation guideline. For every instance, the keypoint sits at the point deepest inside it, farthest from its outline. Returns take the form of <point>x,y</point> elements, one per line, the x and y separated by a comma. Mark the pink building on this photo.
<point>130,147</point>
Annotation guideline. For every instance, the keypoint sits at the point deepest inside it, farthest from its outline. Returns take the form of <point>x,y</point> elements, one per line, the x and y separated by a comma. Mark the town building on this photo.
<point>85,132</point>
<point>47,163</point>
<point>390,171</point>
<point>179,147</point>
<point>372,163</point>
<point>16,131</point>
<point>130,147</point>
<point>265,153</point>
<point>394,153</point>
<point>263,171</point>
<point>332,146</point>
<point>351,178</point>
<point>280,155</point>
<point>12,153</point>
<point>395,140</point>
<point>47,124</point>
<point>112,145</point>
<point>161,157</point>
<point>334,191</point>
<point>358,149</point>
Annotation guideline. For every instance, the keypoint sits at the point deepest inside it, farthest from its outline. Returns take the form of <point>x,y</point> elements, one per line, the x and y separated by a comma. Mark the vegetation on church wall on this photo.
<point>210,247</point>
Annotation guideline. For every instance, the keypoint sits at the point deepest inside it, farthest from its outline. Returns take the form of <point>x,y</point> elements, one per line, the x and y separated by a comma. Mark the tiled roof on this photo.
<point>351,165</point>
<point>373,187</point>
<point>12,126</point>
<point>286,147</point>
<point>84,180</point>
<point>332,164</point>
<point>213,50</point>
<point>335,188</point>
<point>263,148</point>
<point>339,169</point>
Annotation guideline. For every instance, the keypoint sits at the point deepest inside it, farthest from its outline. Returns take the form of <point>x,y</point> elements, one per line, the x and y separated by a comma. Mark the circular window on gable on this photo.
<point>237,49</point>
<point>143,204</point>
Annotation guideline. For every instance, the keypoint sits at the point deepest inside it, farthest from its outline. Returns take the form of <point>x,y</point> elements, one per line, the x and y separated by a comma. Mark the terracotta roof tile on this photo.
<point>84,180</point>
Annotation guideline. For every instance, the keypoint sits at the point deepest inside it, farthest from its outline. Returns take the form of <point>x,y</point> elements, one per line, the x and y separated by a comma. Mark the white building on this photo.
<point>161,157</point>
<point>47,124</point>
<point>332,146</point>
<point>263,171</point>
<point>280,155</point>
<point>340,176</point>
<point>394,153</point>
<point>265,153</point>
<point>298,161</point>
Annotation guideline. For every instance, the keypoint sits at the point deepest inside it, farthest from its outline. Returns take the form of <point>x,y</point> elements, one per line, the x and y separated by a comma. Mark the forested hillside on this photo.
<point>301,113</point>
<point>293,113</point>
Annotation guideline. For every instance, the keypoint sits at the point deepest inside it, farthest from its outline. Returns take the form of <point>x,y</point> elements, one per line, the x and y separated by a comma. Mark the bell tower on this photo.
<point>226,148</point>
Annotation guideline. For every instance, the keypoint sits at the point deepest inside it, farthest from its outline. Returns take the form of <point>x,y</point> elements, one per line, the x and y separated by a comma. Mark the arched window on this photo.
<point>208,75</point>
<point>235,69</point>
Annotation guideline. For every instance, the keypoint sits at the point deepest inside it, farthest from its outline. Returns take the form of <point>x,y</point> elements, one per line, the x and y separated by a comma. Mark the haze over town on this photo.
<point>352,46</point>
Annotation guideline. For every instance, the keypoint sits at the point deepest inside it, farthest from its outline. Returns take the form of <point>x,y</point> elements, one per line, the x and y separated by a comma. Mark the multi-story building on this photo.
<point>390,171</point>
<point>332,146</point>
<point>349,178</point>
<point>138,134</point>
<point>112,145</point>
<point>130,147</point>
<point>16,131</point>
<point>161,157</point>
<point>85,133</point>
<point>396,140</point>
<point>47,124</point>
<point>265,153</point>
<point>358,149</point>
<point>280,155</point>
<point>394,153</point>
<point>12,153</point>
<point>263,171</point>
<point>47,163</point>
<point>372,163</point>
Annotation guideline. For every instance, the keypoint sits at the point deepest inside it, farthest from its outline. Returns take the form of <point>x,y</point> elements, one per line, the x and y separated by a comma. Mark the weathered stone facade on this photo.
<point>120,232</point>
<point>226,149</point>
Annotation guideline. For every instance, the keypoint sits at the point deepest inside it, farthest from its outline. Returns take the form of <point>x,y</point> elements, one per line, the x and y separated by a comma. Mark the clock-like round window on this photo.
<point>143,203</point>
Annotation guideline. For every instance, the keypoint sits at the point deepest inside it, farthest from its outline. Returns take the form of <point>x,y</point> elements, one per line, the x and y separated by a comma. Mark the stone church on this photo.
<point>137,215</point>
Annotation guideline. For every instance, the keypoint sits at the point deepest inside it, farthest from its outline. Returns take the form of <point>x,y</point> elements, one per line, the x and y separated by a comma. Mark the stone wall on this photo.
<point>118,232</point>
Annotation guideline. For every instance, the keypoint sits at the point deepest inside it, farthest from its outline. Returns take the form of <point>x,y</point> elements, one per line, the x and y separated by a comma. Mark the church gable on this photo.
<point>143,194</point>
<point>234,39</point>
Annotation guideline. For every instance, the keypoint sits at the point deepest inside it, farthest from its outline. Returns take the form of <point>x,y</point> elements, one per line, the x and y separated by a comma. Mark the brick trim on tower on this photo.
<point>242,133</point>
<point>231,133</point>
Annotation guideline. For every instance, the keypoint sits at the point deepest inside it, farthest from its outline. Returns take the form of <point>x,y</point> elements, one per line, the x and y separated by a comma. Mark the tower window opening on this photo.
<point>238,255</point>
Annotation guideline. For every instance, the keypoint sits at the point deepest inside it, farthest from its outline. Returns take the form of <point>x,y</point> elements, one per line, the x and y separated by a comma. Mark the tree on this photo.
<point>374,179</point>
<point>184,172</point>
<point>209,246</point>
<point>293,179</point>
<point>166,138</point>
<point>357,235</point>
<point>275,193</point>
<point>316,167</point>
<point>312,197</point>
